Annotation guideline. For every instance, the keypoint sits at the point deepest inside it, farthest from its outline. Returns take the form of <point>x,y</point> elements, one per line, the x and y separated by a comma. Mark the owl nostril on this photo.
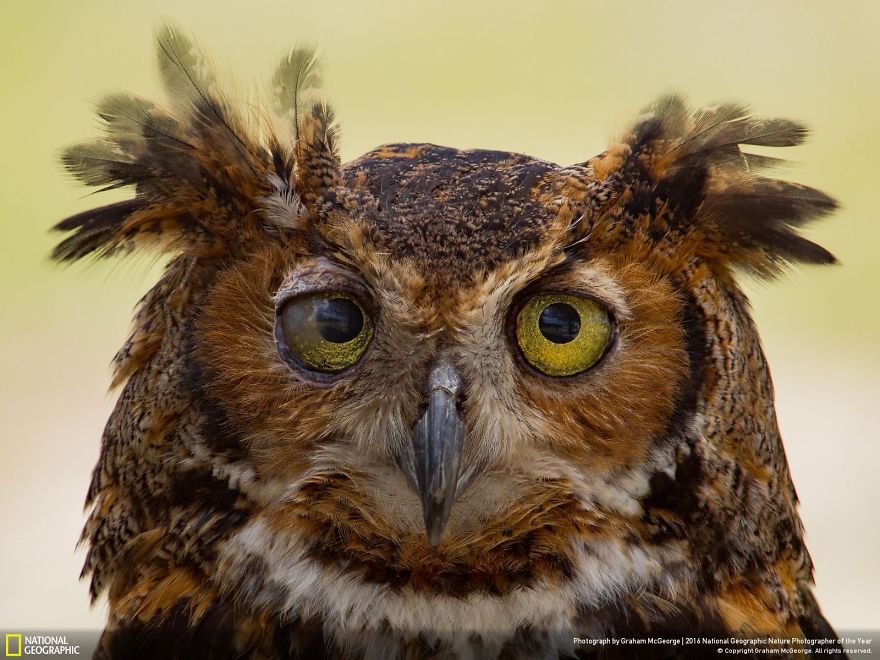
<point>460,401</point>
<point>459,398</point>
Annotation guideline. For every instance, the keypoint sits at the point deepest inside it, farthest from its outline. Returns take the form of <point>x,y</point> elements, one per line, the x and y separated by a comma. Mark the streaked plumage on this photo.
<point>248,503</point>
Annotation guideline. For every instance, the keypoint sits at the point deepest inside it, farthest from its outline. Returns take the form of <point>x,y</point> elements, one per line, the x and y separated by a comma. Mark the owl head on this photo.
<point>440,394</point>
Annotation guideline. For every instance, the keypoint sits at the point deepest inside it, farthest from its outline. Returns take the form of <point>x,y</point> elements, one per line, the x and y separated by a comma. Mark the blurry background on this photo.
<point>552,79</point>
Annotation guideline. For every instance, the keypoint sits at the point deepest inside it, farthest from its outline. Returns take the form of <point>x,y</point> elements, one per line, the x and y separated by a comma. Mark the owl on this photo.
<point>435,403</point>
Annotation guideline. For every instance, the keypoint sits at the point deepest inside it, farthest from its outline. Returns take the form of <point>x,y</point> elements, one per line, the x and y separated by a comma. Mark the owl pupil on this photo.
<point>560,323</point>
<point>338,320</point>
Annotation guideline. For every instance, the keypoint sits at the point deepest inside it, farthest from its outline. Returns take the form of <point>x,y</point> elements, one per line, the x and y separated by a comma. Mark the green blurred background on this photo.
<point>552,79</point>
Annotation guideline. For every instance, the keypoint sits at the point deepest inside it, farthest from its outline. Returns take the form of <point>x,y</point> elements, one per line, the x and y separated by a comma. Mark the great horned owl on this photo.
<point>438,403</point>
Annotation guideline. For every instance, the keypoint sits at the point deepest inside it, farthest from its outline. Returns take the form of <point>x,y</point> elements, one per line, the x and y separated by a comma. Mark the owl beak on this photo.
<point>437,441</point>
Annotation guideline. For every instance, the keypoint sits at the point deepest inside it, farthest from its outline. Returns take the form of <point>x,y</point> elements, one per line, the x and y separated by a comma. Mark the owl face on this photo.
<point>447,398</point>
<point>542,345</point>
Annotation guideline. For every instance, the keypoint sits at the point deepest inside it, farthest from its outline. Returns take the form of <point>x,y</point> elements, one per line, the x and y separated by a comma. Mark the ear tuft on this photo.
<point>706,193</point>
<point>317,154</point>
<point>296,84</point>
<point>184,69</point>
<point>204,179</point>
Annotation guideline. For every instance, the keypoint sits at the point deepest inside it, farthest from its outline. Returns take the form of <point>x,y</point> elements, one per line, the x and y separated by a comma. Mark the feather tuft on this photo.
<point>283,208</point>
<point>183,68</point>
<point>297,80</point>
<point>686,171</point>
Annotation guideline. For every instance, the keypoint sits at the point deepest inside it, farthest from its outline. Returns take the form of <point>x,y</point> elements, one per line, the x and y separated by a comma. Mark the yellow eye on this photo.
<point>327,332</point>
<point>562,335</point>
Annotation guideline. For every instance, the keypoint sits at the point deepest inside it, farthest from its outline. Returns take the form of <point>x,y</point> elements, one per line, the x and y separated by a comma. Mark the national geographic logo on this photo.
<point>13,645</point>
<point>18,645</point>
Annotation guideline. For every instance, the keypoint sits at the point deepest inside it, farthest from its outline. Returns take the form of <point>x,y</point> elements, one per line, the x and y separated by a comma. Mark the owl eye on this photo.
<point>326,332</point>
<point>562,335</point>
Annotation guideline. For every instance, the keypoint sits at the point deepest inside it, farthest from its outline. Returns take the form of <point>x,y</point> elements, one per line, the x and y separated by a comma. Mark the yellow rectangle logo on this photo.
<point>15,651</point>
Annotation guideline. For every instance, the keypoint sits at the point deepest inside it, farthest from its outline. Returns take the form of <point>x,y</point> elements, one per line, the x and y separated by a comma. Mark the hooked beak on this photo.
<point>437,440</point>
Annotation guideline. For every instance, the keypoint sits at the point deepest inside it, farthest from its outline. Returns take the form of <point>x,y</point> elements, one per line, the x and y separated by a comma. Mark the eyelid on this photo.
<point>587,281</point>
<point>324,277</point>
